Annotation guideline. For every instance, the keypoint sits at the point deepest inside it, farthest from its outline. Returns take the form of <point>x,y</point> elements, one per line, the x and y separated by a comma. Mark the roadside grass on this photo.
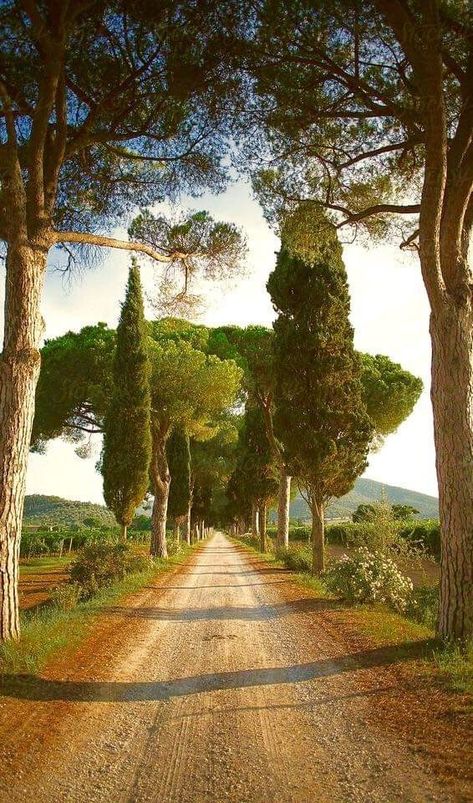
<point>452,666</point>
<point>47,630</point>
<point>39,565</point>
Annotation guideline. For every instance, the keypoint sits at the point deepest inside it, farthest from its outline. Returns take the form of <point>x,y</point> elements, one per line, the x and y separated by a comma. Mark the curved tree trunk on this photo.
<point>19,371</point>
<point>318,537</point>
<point>254,520</point>
<point>452,401</point>
<point>262,525</point>
<point>161,482</point>
<point>284,501</point>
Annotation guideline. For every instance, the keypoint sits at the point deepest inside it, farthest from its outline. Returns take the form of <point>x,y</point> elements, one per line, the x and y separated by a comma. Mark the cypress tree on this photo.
<point>179,457</point>
<point>127,440</point>
<point>320,416</point>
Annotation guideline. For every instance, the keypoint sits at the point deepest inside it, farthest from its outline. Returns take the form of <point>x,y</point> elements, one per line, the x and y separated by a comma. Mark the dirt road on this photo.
<point>216,684</point>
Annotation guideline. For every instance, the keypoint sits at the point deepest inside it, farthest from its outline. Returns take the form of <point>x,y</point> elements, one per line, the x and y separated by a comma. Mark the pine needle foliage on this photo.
<point>179,459</point>
<point>127,440</point>
<point>320,414</point>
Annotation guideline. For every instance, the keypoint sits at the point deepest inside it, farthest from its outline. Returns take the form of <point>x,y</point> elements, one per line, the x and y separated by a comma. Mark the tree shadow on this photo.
<point>227,612</point>
<point>31,687</point>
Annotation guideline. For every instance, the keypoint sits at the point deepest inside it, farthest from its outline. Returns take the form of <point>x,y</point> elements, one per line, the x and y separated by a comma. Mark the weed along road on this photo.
<point>222,681</point>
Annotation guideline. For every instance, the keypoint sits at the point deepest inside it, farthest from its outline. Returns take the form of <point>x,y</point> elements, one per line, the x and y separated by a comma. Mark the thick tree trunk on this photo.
<point>123,531</point>
<point>452,401</point>
<point>161,482</point>
<point>262,526</point>
<point>254,520</point>
<point>284,501</point>
<point>19,371</point>
<point>318,537</point>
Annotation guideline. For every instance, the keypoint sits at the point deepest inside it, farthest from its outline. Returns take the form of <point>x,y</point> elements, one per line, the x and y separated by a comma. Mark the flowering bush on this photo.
<point>369,577</point>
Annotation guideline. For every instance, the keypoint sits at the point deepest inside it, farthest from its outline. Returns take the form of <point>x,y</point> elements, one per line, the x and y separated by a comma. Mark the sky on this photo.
<point>389,312</point>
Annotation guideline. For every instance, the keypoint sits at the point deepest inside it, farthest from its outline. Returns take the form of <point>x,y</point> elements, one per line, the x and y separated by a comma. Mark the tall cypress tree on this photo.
<point>127,440</point>
<point>179,462</point>
<point>320,416</point>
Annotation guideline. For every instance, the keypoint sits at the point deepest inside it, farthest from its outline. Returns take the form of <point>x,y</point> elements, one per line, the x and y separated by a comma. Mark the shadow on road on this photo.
<point>31,687</point>
<point>249,613</point>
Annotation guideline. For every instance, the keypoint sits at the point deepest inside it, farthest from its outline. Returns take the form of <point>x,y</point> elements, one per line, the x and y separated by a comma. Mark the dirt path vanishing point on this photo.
<point>214,684</point>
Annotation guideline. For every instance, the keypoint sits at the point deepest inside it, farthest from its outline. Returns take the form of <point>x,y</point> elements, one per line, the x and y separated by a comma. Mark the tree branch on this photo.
<point>84,238</point>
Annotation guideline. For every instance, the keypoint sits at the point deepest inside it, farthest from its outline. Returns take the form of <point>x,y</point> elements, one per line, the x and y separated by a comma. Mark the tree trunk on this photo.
<point>284,501</point>
<point>187,525</point>
<point>19,371</point>
<point>452,401</point>
<point>123,531</point>
<point>318,537</point>
<point>262,526</point>
<point>254,520</point>
<point>177,530</point>
<point>161,482</point>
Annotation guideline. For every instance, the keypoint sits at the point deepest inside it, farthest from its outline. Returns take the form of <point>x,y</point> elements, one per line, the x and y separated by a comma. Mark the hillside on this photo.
<point>54,510</point>
<point>366,491</point>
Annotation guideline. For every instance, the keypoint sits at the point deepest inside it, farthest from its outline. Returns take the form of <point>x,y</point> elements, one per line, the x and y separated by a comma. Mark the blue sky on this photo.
<point>389,314</point>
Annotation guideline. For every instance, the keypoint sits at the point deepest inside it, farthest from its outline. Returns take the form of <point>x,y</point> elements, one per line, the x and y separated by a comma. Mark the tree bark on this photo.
<point>262,526</point>
<point>452,401</point>
<point>161,482</point>
<point>123,531</point>
<point>318,537</point>
<point>284,501</point>
<point>254,520</point>
<point>177,530</point>
<point>187,525</point>
<point>19,371</point>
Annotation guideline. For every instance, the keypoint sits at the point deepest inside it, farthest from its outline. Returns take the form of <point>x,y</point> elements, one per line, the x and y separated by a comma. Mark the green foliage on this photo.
<point>404,512</point>
<point>298,559</point>
<point>369,577</point>
<point>198,244</point>
<point>423,535</point>
<point>190,388</point>
<point>390,393</point>
<point>66,596</point>
<point>127,440</point>
<point>75,384</point>
<point>254,478</point>
<point>363,513</point>
<point>99,565</point>
<point>179,456</point>
<point>320,415</point>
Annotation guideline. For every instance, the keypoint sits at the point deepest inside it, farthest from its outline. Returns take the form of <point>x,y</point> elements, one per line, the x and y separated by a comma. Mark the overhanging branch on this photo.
<point>84,238</point>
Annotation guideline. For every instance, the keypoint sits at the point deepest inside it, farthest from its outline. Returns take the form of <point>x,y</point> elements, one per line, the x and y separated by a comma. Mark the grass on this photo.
<point>39,565</point>
<point>47,630</point>
<point>387,628</point>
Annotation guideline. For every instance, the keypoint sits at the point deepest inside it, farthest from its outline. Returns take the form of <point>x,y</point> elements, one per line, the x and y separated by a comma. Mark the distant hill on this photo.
<point>366,491</point>
<point>54,510</point>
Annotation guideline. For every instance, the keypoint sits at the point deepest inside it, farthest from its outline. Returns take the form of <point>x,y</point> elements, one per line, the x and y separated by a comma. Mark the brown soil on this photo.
<point>226,681</point>
<point>35,587</point>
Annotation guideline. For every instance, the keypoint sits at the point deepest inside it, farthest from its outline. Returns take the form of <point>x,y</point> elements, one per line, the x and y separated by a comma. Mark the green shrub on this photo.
<point>425,533</point>
<point>423,605</point>
<point>369,577</point>
<point>66,596</point>
<point>298,559</point>
<point>100,564</point>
